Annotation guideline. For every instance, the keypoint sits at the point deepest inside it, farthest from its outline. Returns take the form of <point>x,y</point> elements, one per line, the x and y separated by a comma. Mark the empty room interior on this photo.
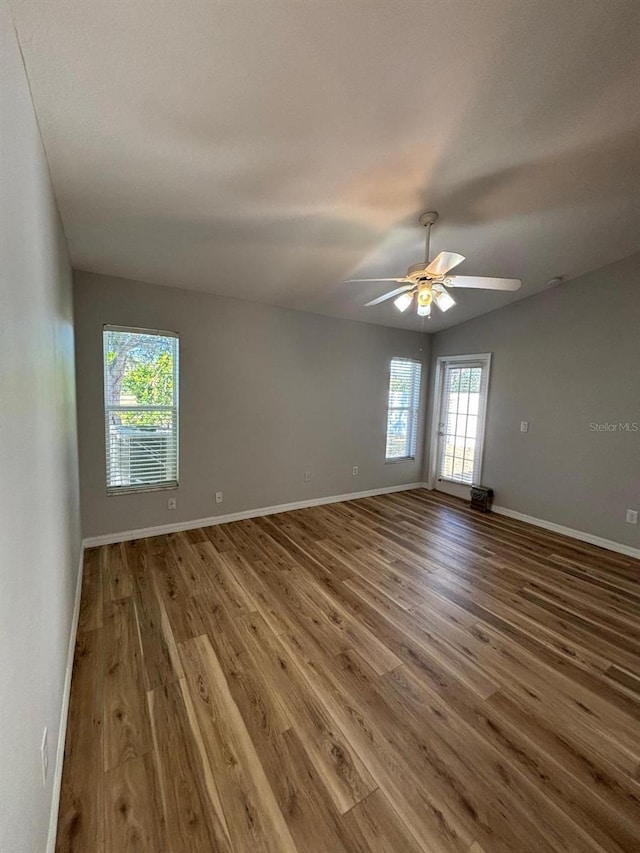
<point>320,426</point>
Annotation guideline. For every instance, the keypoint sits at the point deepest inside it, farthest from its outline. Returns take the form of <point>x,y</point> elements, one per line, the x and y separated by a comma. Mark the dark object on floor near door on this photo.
<point>481,498</point>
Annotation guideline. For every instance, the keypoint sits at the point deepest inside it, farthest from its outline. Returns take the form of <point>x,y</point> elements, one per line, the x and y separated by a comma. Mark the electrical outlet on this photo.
<point>524,426</point>
<point>44,755</point>
<point>218,497</point>
<point>307,476</point>
<point>632,516</point>
<point>354,470</point>
<point>171,503</point>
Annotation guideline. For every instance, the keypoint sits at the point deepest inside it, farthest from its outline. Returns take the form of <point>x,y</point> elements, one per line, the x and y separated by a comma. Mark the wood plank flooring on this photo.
<point>394,674</point>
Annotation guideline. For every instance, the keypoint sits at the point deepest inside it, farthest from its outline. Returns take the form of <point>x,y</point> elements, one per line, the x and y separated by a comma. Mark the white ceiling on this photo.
<point>269,150</point>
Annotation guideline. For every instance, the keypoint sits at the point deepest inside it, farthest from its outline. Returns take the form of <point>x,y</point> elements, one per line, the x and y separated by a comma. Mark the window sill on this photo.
<point>400,459</point>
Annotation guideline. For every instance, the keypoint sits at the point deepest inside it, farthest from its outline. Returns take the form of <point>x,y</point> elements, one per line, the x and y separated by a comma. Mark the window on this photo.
<point>141,409</point>
<point>402,415</point>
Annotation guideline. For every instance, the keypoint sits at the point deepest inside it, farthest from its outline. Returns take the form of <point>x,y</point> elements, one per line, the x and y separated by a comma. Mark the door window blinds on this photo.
<point>403,410</point>
<point>141,409</point>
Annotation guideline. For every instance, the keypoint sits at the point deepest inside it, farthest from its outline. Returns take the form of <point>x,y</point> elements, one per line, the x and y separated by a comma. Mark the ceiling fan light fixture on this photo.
<point>426,280</point>
<point>403,301</point>
<point>443,298</point>
<point>425,296</point>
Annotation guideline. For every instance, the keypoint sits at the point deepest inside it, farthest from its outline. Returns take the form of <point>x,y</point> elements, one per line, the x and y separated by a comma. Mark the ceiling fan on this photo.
<point>426,281</point>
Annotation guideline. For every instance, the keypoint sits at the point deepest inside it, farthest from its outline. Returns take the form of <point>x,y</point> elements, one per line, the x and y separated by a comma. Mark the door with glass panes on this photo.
<point>460,411</point>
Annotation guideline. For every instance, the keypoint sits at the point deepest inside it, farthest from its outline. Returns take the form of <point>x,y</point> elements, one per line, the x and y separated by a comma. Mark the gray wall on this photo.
<point>265,395</point>
<point>39,513</point>
<point>563,360</point>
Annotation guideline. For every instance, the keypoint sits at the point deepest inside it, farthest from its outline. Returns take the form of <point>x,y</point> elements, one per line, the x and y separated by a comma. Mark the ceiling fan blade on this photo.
<point>444,262</point>
<point>389,295</point>
<point>352,280</point>
<point>483,283</point>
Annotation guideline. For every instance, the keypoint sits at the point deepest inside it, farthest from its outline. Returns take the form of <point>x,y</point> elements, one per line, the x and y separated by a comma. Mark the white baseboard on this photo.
<point>162,529</point>
<point>64,712</point>
<point>609,544</point>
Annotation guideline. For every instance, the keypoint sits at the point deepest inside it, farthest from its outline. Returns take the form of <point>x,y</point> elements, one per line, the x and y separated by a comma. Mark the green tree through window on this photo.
<point>141,367</point>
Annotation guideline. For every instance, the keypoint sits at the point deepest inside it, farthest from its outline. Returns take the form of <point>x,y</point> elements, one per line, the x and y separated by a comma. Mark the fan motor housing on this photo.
<point>417,271</point>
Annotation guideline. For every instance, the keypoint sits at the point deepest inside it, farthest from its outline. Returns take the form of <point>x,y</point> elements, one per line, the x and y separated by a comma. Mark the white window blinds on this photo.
<point>141,409</point>
<point>403,411</point>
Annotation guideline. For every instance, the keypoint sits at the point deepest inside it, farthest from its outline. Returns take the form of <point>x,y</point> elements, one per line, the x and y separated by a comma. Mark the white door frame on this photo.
<point>441,361</point>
